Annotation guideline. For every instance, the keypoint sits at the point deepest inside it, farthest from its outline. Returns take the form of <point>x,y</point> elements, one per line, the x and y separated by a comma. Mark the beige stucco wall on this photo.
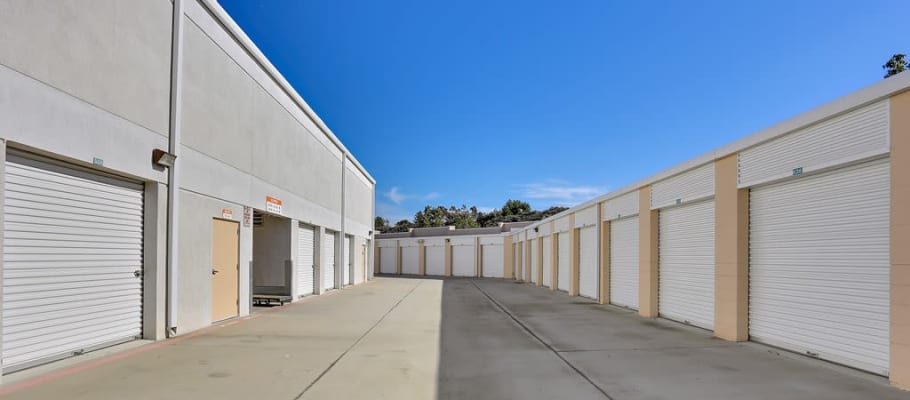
<point>604,297</point>
<point>573,257</point>
<point>731,257</point>
<point>900,238</point>
<point>647,255</point>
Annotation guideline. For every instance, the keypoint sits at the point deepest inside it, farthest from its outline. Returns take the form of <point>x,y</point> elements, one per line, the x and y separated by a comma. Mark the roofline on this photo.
<point>234,30</point>
<point>878,91</point>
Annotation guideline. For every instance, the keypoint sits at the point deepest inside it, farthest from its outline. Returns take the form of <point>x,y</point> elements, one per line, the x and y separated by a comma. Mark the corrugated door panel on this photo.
<point>820,265</point>
<point>410,260</point>
<point>624,262</point>
<point>328,279</point>
<point>622,206</point>
<point>388,260</point>
<point>72,247</point>
<point>562,258</point>
<point>305,250</point>
<point>692,185</point>
<point>493,261</point>
<point>346,266</point>
<point>463,260</point>
<point>547,261</point>
<point>586,217</point>
<point>588,277</point>
<point>686,264</point>
<point>856,135</point>
<point>535,262</point>
<point>436,260</point>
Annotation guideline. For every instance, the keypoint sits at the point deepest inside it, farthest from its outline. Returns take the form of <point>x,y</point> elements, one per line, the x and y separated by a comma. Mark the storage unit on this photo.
<point>686,263</point>
<point>463,261</point>
<point>624,267</point>
<point>820,265</point>
<point>328,277</point>
<point>348,259</point>
<point>547,263</point>
<point>435,254</point>
<point>72,261</point>
<point>388,257</point>
<point>588,269</point>
<point>306,266</point>
<point>410,257</point>
<point>493,257</point>
<point>535,260</point>
<point>562,265</point>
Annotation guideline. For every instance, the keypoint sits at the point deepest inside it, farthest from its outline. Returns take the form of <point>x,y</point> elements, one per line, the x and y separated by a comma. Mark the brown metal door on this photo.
<point>225,269</point>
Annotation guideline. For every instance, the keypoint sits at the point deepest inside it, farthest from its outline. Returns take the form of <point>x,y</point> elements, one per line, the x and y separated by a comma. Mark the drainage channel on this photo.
<point>356,342</point>
<point>541,341</point>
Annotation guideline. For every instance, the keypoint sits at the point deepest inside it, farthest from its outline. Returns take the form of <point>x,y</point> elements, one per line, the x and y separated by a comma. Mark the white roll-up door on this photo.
<point>346,266</point>
<point>72,262</point>
<point>410,260</point>
<point>562,259</point>
<point>436,260</point>
<point>820,265</point>
<point>463,260</point>
<point>493,261</point>
<point>535,260</point>
<point>388,260</point>
<point>588,276</point>
<point>686,264</point>
<point>328,277</point>
<point>624,262</point>
<point>305,250</point>
<point>547,261</point>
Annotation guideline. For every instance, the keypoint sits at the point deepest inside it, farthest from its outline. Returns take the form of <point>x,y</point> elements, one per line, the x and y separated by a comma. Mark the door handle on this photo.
<point>215,271</point>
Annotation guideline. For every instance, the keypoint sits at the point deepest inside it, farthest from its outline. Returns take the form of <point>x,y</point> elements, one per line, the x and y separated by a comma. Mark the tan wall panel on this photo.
<point>573,257</point>
<point>604,297</point>
<point>900,237</point>
<point>421,259</point>
<point>508,272</point>
<point>554,258</point>
<point>647,255</point>
<point>448,257</point>
<point>731,269</point>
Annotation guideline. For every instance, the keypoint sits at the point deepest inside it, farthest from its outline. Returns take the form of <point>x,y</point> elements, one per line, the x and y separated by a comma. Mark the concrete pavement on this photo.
<point>400,338</point>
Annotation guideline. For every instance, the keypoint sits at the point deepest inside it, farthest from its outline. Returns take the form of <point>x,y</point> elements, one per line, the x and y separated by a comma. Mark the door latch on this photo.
<point>137,273</point>
<point>215,271</point>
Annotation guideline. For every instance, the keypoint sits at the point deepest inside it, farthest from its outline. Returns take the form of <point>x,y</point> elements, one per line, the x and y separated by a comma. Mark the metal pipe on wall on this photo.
<point>173,177</point>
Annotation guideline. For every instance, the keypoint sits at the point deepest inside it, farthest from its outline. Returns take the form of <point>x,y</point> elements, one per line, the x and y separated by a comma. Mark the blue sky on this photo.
<point>475,102</point>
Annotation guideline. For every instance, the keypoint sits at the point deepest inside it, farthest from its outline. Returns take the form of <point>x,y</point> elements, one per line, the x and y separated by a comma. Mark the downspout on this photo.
<point>173,178</point>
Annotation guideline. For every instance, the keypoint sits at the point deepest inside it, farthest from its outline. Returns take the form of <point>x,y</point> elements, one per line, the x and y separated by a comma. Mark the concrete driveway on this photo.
<point>400,338</point>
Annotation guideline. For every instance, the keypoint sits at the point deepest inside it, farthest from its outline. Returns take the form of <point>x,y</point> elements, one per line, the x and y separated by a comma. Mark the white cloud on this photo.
<point>486,209</point>
<point>391,212</point>
<point>432,196</point>
<point>560,192</point>
<point>396,196</point>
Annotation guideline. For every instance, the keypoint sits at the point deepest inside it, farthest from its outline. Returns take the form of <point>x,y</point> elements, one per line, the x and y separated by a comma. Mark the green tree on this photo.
<point>516,207</point>
<point>897,64</point>
<point>401,226</point>
<point>381,225</point>
<point>431,217</point>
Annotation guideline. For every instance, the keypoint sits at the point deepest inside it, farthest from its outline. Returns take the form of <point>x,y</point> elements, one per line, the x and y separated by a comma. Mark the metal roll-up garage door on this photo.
<point>305,250</point>
<point>388,260</point>
<point>72,262</point>
<point>328,278</point>
<point>547,261</point>
<point>535,260</point>
<point>819,265</point>
<point>436,260</point>
<point>624,262</point>
<point>346,265</point>
<point>562,262</point>
<point>686,264</point>
<point>493,261</point>
<point>410,260</point>
<point>463,260</point>
<point>588,277</point>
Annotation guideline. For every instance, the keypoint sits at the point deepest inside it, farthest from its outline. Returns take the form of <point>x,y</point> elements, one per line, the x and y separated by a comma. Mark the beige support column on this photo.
<point>574,244</point>
<point>398,257</point>
<point>731,253</point>
<point>554,257</point>
<point>448,257</point>
<point>527,271</point>
<point>421,258</point>
<point>377,257</point>
<point>519,262</point>
<point>900,240</point>
<point>539,261</point>
<point>507,256</point>
<point>647,254</point>
<point>478,258</point>
<point>604,297</point>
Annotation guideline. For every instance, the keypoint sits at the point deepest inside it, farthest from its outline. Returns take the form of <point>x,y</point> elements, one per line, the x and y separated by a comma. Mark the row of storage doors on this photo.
<point>463,259</point>
<point>819,264</point>
<point>306,263</point>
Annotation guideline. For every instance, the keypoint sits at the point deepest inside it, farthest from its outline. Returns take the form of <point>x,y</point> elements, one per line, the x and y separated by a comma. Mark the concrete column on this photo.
<point>422,258</point>
<point>604,297</point>
<point>574,261</point>
<point>478,258</point>
<point>398,257</point>
<point>554,257</point>
<point>527,253</point>
<point>154,260</point>
<point>647,254</point>
<point>377,255</point>
<point>540,261</point>
<point>295,233</point>
<point>319,257</point>
<point>448,257</point>
<point>508,272</point>
<point>731,253</point>
<point>900,238</point>
<point>519,262</point>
